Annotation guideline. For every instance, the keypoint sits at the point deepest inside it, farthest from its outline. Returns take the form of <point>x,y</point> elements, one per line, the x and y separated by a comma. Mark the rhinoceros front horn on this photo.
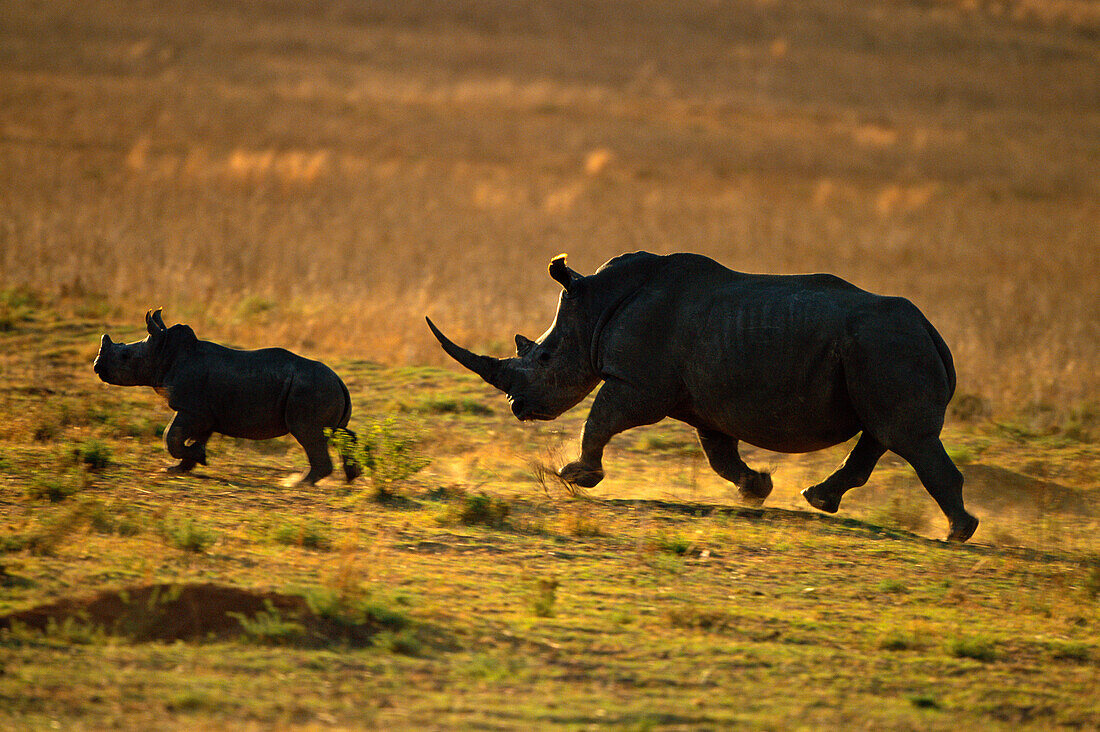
<point>495,371</point>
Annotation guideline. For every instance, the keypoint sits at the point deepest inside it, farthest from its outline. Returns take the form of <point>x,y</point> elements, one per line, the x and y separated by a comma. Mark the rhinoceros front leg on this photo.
<point>852,473</point>
<point>185,437</point>
<point>616,408</point>
<point>721,450</point>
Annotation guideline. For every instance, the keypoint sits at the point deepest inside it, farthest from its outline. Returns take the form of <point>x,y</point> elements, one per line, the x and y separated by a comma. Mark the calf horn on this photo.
<point>495,371</point>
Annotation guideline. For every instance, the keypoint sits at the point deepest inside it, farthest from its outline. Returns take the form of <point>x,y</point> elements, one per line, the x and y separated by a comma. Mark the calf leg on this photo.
<point>852,473</point>
<point>721,450</point>
<point>313,441</point>
<point>616,408</point>
<point>942,480</point>
<point>185,437</point>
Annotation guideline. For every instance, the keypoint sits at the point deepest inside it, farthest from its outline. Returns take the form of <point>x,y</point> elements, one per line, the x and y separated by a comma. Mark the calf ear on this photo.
<point>153,322</point>
<point>561,273</point>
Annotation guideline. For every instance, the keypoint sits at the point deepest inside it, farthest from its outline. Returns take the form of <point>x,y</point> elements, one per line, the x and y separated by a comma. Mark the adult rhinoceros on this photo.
<point>789,363</point>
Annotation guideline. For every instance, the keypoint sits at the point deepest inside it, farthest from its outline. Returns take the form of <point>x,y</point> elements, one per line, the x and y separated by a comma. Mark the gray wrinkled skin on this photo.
<point>789,363</point>
<point>251,394</point>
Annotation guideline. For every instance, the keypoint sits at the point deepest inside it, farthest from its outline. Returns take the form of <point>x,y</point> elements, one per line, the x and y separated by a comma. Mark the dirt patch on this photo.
<point>169,612</point>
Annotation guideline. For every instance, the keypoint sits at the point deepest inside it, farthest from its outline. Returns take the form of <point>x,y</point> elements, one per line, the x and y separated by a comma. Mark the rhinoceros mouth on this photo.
<point>523,413</point>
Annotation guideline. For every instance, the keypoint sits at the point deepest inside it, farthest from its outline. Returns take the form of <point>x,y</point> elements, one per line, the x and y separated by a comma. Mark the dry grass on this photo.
<point>321,175</point>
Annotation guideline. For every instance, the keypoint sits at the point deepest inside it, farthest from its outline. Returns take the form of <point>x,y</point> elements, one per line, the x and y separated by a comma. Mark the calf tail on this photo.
<point>346,416</point>
<point>346,443</point>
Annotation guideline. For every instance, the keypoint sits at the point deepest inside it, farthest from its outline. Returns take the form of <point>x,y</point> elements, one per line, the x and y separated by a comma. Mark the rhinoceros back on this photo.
<point>255,394</point>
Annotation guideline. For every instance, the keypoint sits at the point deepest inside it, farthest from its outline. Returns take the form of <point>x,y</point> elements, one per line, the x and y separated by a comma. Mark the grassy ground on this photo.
<point>480,593</point>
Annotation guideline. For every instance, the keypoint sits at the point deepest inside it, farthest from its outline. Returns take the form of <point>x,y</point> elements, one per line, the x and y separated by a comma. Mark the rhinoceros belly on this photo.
<point>773,379</point>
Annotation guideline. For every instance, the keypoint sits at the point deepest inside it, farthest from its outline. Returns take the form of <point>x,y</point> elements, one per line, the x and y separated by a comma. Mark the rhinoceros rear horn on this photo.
<point>561,273</point>
<point>494,370</point>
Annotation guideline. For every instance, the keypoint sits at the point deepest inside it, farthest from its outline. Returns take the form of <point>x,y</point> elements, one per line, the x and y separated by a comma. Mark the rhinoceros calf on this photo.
<point>252,394</point>
<point>789,363</point>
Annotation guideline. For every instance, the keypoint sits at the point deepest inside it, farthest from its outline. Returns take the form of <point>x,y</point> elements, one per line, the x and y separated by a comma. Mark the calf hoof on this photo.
<point>821,500</point>
<point>963,529</point>
<point>755,488</point>
<point>183,467</point>
<point>352,471</point>
<point>577,473</point>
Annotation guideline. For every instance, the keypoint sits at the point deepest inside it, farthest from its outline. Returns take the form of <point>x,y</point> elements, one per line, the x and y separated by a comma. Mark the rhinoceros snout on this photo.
<point>99,363</point>
<point>519,407</point>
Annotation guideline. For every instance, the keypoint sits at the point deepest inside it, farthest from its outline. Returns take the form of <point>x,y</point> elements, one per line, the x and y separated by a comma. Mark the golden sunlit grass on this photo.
<point>356,170</point>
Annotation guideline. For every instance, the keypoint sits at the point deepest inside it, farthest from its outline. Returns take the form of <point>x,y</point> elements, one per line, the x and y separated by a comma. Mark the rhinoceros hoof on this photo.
<point>963,529</point>
<point>755,488</point>
<point>580,474</point>
<point>821,500</point>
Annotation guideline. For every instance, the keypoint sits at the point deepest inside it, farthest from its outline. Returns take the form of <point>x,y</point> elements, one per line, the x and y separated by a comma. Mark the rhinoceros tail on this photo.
<point>945,356</point>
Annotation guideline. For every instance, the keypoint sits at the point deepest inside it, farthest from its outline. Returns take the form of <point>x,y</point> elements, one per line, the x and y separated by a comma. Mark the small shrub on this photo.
<point>544,597</point>
<point>404,641</point>
<point>1067,651</point>
<point>898,641</point>
<point>187,535</point>
<point>17,306</point>
<point>52,488</point>
<point>269,629</point>
<point>695,618</point>
<point>977,648</point>
<point>382,451</point>
<point>483,509</point>
<point>309,534</point>
<point>357,618</point>
<point>105,519</point>
<point>892,586</point>
<point>674,544</point>
<point>46,431</point>
<point>93,455</point>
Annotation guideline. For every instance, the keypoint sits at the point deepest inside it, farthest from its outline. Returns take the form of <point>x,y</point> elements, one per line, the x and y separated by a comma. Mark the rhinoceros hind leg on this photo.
<point>312,440</point>
<point>721,450</point>
<point>942,480</point>
<point>852,473</point>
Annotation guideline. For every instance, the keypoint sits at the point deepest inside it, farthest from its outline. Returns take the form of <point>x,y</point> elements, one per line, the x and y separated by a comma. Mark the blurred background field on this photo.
<point>322,175</point>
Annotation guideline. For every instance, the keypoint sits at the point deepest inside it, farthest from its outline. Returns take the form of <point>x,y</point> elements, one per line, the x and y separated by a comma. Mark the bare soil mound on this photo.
<point>168,612</point>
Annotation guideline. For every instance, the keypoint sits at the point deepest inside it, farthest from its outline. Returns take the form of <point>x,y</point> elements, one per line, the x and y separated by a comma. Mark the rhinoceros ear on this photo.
<point>561,273</point>
<point>523,345</point>
<point>153,322</point>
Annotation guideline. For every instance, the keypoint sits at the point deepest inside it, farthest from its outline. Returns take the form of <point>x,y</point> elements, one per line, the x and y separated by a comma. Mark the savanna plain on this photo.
<point>320,176</point>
